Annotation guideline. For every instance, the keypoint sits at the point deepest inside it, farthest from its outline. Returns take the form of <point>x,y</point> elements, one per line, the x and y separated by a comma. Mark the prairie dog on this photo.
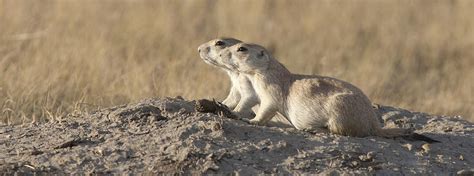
<point>208,52</point>
<point>307,101</point>
<point>242,96</point>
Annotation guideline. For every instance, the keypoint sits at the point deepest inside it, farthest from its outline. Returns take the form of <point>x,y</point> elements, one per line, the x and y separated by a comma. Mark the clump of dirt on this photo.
<point>169,136</point>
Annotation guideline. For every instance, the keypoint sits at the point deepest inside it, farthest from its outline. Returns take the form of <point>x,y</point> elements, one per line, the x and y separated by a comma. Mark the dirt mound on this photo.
<point>169,136</point>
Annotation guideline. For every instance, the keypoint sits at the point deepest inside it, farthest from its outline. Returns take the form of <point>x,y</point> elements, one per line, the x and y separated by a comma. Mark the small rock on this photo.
<point>371,155</point>
<point>100,151</point>
<point>461,157</point>
<point>408,146</point>
<point>355,163</point>
<point>368,157</point>
<point>426,147</point>
<point>467,172</point>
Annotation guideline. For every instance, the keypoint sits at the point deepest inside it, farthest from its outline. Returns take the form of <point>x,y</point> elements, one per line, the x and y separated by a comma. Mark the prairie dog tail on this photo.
<point>403,133</point>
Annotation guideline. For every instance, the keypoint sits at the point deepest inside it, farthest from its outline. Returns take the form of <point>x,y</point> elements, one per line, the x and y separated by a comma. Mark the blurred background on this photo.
<point>59,57</point>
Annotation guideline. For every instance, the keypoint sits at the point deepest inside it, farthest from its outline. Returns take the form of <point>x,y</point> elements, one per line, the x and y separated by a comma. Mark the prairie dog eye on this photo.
<point>242,49</point>
<point>220,43</point>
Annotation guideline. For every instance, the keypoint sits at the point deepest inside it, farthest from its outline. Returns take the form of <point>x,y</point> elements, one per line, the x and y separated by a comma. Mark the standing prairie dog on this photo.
<point>308,102</point>
<point>242,96</point>
<point>208,52</point>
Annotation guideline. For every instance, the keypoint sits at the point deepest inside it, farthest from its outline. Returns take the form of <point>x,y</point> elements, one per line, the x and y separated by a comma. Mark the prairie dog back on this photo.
<point>307,101</point>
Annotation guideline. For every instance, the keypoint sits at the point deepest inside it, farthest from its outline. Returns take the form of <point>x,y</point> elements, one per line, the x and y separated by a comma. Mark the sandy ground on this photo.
<point>169,136</point>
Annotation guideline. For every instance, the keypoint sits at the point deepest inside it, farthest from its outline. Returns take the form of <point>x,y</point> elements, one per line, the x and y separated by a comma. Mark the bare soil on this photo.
<point>169,136</point>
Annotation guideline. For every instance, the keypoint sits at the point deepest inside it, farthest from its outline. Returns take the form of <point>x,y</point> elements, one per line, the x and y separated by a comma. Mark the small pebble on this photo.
<point>371,155</point>
<point>466,172</point>
<point>426,147</point>
<point>408,146</point>
<point>368,157</point>
<point>100,151</point>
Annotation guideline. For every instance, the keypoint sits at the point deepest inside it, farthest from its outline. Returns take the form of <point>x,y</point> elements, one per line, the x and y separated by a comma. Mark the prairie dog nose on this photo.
<point>200,48</point>
<point>203,48</point>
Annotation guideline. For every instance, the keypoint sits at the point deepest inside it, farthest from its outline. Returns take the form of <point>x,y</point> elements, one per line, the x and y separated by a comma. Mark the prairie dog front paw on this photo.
<point>255,122</point>
<point>252,121</point>
<point>245,114</point>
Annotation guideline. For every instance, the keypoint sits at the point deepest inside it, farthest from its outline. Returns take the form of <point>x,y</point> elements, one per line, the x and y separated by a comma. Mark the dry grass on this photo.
<point>59,57</point>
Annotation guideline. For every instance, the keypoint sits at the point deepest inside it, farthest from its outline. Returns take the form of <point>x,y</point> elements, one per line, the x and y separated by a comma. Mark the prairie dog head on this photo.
<point>209,51</point>
<point>246,58</point>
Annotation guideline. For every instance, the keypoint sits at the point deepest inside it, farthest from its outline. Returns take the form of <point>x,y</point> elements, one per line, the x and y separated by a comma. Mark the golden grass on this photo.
<point>61,57</point>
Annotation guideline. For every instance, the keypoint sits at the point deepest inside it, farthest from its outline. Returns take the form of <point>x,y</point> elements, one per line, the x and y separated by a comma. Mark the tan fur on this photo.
<point>308,102</point>
<point>208,52</point>
<point>242,96</point>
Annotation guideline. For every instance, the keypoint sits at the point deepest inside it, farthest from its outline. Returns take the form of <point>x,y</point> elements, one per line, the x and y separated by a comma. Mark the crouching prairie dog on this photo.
<point>242,96</point>
<point>307,101</point>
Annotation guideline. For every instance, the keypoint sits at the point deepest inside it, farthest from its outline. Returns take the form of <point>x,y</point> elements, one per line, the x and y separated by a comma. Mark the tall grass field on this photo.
<point>60,58</point>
